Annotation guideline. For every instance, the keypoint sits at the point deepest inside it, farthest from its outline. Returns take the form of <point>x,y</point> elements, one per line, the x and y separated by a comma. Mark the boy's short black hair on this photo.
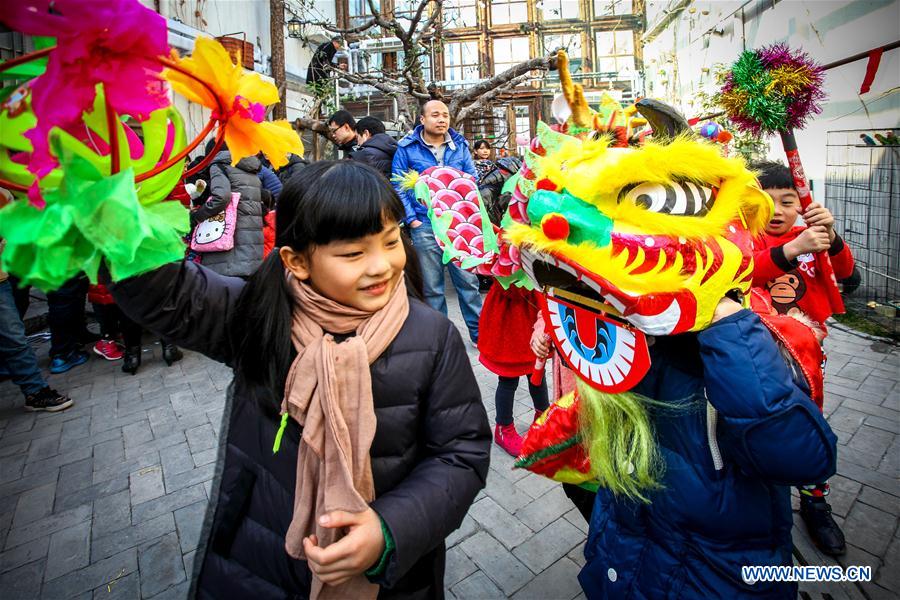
<point>343,117</point>
<point>370,124</point>
<point>773,175</point>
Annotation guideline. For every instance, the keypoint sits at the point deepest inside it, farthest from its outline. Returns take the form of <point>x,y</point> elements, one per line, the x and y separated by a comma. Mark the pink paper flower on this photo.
<point>113,42</point>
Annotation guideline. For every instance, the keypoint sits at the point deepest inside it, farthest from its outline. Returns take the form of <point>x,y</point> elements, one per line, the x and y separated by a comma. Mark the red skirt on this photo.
<point>504,331</point>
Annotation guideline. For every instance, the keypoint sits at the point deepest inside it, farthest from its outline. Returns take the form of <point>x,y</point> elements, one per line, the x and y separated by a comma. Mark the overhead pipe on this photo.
<point>669,15</point>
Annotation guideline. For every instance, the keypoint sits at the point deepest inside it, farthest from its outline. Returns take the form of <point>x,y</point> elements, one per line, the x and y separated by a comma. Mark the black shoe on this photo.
<point>171,353</point>
<point>822,527</point>
<point>132,360</point>
<point>48,400</point>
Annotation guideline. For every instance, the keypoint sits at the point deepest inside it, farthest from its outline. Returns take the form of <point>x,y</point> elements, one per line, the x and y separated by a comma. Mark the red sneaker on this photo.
<point>508,438</point>
<point>108,349</point>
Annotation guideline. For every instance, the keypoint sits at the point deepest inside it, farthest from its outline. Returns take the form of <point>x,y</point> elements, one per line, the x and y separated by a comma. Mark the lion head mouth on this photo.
<point>654,314</point>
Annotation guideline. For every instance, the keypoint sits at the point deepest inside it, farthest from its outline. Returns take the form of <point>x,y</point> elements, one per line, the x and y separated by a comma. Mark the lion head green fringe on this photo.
<point>619,438</point>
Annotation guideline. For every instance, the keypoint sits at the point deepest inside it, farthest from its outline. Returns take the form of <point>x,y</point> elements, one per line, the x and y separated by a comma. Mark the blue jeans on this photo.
<point>16,356</point>
<point>466,283</point>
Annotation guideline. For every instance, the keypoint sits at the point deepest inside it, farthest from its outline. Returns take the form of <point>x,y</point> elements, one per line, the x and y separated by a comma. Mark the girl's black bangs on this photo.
<point>344,201</point>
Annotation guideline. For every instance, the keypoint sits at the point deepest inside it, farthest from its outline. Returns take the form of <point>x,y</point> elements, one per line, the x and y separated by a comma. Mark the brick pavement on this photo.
<point>105,500</point>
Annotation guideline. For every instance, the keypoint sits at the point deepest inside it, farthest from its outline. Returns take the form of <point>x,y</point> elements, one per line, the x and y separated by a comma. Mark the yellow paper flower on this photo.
<point>243,94</point>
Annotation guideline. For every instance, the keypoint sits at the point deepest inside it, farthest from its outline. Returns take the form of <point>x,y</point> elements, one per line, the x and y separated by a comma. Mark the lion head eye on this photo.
<point>684,198</point>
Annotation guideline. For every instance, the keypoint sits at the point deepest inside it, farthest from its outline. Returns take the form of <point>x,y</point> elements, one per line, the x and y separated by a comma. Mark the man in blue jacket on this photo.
<point>433,142</point>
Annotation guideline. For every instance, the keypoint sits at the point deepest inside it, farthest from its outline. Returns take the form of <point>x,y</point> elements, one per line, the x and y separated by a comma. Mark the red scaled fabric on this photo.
<point>798,337</point>
<point>802,288</point>
<point>268,233</point>
<point>504,331</point>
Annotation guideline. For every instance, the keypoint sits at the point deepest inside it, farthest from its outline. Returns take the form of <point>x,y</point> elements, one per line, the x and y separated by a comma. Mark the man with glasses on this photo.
<point>342,129</point>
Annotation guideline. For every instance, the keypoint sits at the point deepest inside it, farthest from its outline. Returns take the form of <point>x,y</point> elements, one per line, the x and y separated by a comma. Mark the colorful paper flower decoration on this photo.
<point>772,89</point>
<point>113,42</point>
<point>243,95</point>
<point>90,217</point>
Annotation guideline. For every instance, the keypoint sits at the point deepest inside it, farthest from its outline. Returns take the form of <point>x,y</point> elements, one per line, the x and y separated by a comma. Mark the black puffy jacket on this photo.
<point>377,152</point>
<point>430,454</point>
<point>243,178</point>
<point>289,171</point>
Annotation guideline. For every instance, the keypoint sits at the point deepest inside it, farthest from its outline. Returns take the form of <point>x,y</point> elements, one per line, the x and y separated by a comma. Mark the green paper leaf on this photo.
<point>88,218</point>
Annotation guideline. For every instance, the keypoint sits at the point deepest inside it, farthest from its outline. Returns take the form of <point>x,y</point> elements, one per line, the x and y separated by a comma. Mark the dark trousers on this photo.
<point>114,322</point>
<point>506,392</point>
<point>65,316</point>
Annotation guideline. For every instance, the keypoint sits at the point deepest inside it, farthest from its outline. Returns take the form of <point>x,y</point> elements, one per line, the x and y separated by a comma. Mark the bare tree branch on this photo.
<point>314,125</point>
<point>473,93</point>
<point>407,85</point>
<point>382,84</point>
<point>415,87</point>
<point>437,13</point>
<point>351,30</point>
<point>414,24</point>
<point>479,102</point>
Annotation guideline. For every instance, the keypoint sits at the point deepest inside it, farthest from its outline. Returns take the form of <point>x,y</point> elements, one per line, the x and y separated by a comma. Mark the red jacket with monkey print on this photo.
<point>792,284</point>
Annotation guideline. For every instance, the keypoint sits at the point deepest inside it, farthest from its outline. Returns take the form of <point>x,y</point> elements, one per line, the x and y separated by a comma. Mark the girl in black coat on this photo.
<point>430,452</point>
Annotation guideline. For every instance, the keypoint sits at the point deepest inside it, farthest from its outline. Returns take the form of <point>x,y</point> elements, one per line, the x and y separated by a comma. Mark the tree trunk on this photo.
<point>404,115</point>
<point>276,33</point>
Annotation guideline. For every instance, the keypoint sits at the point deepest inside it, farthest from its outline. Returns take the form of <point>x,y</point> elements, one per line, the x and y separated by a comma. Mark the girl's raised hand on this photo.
<point>540,345</point>
<point>351,555</point>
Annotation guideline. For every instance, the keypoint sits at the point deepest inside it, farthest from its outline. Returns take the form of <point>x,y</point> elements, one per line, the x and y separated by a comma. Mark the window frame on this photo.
<point>359,19</point>
<point>559,4</point>
<point>507,4</point>
<point>514,60</point>
<point>470,4</point>
<point>617,56</point>
<point>599,13</point>
<point>462,66</point>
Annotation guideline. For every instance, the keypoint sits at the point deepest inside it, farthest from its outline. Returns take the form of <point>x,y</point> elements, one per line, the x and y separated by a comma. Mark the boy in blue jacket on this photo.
<point>433,142</point>
<point>709,518</point>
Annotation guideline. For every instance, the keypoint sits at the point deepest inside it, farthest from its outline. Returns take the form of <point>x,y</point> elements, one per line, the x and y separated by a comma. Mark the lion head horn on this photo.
<point>573,92</point>
<point>666,122</point>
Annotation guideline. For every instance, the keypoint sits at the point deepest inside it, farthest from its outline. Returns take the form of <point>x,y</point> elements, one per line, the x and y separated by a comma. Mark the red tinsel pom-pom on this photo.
<point>546,184</point>
<point>555,226</point>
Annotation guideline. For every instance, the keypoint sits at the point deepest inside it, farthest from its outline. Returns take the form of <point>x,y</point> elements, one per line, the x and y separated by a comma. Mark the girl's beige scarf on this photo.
<point>329,393</point>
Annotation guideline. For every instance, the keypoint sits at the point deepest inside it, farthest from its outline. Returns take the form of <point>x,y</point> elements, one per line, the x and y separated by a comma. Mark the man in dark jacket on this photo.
<point>243,178</point>
<point>491,187</point>
<point>342,128</point>
<point>321,61</point>
<point>295,164</point>
<point>374,146</point>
